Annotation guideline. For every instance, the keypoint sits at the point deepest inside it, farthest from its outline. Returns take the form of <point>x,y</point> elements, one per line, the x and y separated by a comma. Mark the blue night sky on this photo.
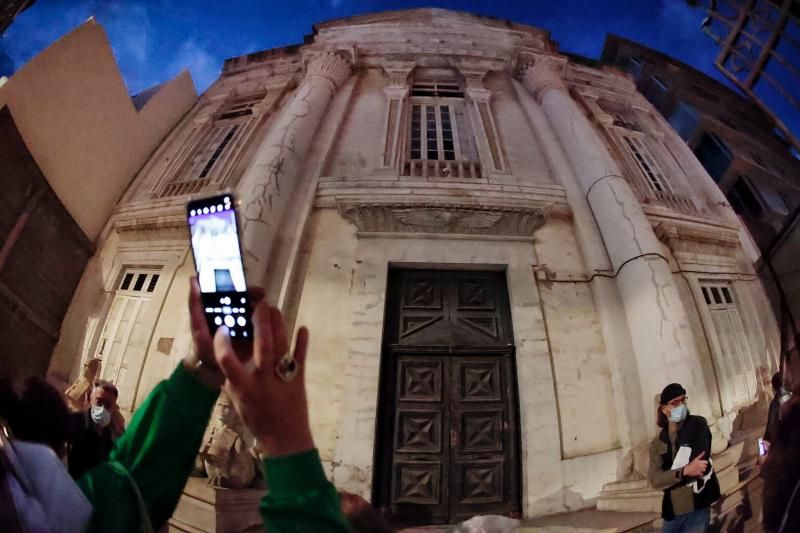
<point>153,40</point>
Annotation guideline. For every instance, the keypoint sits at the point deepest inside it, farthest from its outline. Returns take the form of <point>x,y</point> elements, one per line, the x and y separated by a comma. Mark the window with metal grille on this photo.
<point>736,363</point>
<point>440,140</point>
<point>211,149</point>
<point>645,162</point>
<point>440,132</point>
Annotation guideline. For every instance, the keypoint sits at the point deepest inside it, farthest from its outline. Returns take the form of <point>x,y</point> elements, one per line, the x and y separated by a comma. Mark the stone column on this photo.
<point>272,177</point>
<point>631,425</point>
<point>662,339</point>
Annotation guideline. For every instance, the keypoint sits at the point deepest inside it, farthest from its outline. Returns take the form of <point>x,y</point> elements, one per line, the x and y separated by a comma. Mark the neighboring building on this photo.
<point>732,137</point>
<point>760,53</point>
<point>72,140</point>
<point>503,255</point>
<point>778,268</point>
<point>10,9</point>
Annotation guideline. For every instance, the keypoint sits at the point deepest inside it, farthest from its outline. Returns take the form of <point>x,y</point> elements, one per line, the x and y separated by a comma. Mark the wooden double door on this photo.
<point>448,441</point>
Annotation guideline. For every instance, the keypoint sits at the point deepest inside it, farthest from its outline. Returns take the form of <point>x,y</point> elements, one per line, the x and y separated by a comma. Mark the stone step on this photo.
<point>625,486</point>
<point>729,457</point>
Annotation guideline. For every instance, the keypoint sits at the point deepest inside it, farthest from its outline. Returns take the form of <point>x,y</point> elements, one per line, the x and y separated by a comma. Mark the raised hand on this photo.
<point>203,355</point>
<point>697,467</point>
<point>275,410</point>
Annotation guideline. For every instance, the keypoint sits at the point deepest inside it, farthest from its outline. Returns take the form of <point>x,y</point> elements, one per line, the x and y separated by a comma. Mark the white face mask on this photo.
<point>677,414</point>
<point>101,415</point>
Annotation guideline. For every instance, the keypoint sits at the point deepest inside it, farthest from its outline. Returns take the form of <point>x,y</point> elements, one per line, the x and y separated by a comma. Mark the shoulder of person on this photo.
<point>697,420</point>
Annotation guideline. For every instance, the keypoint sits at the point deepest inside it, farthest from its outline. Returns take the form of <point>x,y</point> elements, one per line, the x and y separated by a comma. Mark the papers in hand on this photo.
<point>682,457</point>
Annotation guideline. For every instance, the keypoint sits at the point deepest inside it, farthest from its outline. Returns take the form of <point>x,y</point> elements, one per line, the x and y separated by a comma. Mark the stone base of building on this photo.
<point>207,509</point>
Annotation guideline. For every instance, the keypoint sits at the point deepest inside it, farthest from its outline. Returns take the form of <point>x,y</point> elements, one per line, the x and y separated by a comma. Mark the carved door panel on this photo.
<point>446,308</point>
<point>448,444</point>
<point>421,437</point>
<point>483,437</point>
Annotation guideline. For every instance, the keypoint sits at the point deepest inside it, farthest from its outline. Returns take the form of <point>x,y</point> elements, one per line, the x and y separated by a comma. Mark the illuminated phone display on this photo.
<point>218,261</point>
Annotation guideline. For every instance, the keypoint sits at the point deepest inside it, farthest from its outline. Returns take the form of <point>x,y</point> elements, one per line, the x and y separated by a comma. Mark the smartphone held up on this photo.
<point>218,260</point>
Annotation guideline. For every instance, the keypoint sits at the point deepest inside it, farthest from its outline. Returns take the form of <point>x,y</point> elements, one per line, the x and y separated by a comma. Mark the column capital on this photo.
<point>542,73</point>
<point>473,79</point>
<point>328,64</point>
<point>396,74</point>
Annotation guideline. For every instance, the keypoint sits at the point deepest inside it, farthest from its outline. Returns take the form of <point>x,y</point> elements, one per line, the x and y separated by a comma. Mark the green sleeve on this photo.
<point>157,450</point>
<point>300,497</point>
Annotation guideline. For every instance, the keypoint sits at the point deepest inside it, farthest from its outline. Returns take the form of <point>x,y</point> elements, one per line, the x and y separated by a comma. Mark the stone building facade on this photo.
<point>736,141</point>
<point>503,255</point>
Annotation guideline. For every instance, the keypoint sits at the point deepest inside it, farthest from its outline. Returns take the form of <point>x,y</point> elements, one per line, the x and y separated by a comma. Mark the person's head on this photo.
<point>35,411</point>
<point>776,382</point>
<point>104,394</point>
<point>672,405</point>
<point>103,402</point>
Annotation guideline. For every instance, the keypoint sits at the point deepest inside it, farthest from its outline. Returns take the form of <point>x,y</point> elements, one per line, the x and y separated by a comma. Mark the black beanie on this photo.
<point>670,392</point>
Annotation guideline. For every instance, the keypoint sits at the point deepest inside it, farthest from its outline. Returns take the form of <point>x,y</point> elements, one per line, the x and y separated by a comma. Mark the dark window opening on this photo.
<point>744,199</point>
<point>656,92</point>
<point>126,282</point>
<point>714,155</point>
<point>684,120</point>
<point>152,285</point>
<point>139,282</point>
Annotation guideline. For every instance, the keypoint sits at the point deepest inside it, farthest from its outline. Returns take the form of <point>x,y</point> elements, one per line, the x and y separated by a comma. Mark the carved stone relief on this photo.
<point>390,217</point>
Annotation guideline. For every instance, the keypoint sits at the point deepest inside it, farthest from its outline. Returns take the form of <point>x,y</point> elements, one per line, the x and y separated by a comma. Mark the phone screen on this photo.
<point>218,260</point>
<point>761,449</point>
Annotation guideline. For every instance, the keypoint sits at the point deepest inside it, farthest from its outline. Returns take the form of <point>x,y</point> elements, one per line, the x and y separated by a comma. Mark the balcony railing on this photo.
<point>432,168</point>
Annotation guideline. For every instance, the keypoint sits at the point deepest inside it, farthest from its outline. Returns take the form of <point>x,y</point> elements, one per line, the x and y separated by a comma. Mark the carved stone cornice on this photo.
<point>543,73</point>
<point>328,64</point>
<point>683,239</point>
<point>464,219</point>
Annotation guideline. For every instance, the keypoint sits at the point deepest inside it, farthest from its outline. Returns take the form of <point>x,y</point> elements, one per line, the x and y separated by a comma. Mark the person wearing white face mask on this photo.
<point>680,465</point>
<point>93,431</point>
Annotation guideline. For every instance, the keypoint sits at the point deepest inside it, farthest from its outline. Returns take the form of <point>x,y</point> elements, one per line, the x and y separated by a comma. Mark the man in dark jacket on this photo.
<point>689,483</point>
<point>91,433</point>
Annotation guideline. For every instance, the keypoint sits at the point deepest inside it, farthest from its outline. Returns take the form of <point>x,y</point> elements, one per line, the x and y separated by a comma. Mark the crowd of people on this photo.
<point>130,478</point>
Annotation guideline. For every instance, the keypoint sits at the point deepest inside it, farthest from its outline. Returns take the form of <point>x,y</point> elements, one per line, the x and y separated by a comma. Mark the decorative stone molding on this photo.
<point>473,78</point>
<point>543,73</point>
<point>329,65</point>
<point>402,217</point>
<point>397,75</point>
<point>683,239</point>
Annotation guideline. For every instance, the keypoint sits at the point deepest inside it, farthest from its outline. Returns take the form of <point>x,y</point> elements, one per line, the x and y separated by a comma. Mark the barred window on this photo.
<point>440,141</point>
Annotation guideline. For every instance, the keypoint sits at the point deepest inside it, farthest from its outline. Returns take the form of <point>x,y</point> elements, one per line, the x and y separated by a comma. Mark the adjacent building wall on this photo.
<point>73,110</point>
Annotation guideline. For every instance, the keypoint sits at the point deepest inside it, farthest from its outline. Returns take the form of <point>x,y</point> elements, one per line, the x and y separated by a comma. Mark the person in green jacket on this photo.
<point>138,488</point>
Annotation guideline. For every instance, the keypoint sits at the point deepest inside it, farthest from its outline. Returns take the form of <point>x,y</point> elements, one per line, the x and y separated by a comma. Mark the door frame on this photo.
<point>387,381</point>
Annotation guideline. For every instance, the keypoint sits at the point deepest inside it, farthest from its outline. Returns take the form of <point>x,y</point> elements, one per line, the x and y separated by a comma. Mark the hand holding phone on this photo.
<point>218,261</point>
